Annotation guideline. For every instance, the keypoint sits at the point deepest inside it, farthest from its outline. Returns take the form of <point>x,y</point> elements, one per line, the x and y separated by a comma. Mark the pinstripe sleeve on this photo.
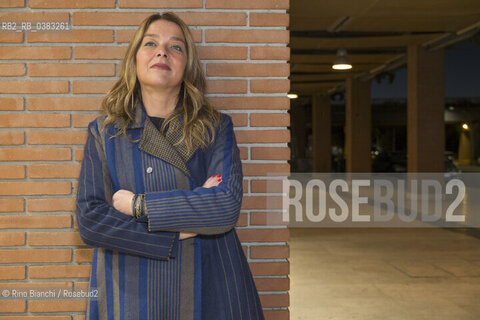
<point>203,210</point>
<point>100,224</point>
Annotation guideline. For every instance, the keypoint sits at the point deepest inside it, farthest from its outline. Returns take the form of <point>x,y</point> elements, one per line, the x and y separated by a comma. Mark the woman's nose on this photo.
<point>161,52</point>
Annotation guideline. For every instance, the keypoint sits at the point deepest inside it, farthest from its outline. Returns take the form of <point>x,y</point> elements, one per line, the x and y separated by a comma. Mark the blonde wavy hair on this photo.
<point>196,115</point>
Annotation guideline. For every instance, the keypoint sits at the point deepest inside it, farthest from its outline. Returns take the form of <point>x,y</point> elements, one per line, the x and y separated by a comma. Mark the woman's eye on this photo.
<point>177,47</point>
<point>149,44</point>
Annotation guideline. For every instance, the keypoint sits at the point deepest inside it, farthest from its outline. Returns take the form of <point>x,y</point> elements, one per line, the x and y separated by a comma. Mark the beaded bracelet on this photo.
<point>138,205</point>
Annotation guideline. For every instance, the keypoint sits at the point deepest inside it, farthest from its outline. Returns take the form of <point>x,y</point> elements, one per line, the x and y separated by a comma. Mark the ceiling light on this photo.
<point>292,95</point>
<point>465,126</point>
<point>341,62</point>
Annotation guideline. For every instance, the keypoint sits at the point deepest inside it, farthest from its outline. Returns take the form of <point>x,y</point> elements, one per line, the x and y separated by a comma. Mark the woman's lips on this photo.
<point>161,66</point>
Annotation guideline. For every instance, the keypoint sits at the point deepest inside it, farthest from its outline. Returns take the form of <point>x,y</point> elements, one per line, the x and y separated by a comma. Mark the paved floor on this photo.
<point>357,274</point>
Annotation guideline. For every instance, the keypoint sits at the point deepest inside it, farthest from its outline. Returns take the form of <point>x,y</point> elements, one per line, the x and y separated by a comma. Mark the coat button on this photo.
<point>149,170</point>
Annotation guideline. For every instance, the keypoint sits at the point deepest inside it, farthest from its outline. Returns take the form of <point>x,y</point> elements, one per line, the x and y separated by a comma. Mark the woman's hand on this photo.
<point>122,201</point>
<point>213,181</point>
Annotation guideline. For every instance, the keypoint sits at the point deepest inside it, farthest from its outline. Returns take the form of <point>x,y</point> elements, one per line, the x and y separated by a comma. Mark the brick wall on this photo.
<point>51,86</point>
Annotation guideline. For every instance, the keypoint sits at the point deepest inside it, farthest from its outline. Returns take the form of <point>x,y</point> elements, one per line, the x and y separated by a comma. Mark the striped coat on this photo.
<point>140,267</point>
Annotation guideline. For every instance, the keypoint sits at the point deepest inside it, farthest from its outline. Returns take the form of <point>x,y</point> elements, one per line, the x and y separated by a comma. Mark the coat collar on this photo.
<point>162,146</point>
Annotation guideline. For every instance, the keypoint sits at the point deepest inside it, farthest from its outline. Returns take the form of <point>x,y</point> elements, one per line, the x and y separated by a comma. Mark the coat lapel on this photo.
<point>164,147</point>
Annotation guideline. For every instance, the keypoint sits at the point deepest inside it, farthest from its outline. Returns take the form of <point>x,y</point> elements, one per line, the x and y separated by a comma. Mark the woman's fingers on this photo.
<point>122,201</point>
<point>186,235</point>
<point>213,181</point>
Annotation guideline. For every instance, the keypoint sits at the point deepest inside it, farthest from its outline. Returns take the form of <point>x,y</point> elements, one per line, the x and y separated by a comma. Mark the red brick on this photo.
<point>261,19</point>
<point>127,34</point>
<point>269,119</point>
<point>99,52</point>
<point>269,268</point>
<point>221,53</point>
<point>244,182</point>
<point>246,36</point>
<point>272,284</point>
<point>267,186</point>
<point>12,138</point>
<point>12,69</point>
<point>239,119</point>
<point>12,4</point>
<point>261,202</point>
<point>68,104</point>
<point>255,103</point>
<point>35,318</point>
<point>57,305</point>
<point>269,252</point>
<point>274,301</point>
<point>189,4</point>
<point>54,239</point>
<point>243,156</point>
<point>35,255</point>
<point>71,70</point>
<point>11,104</point>
<point>247,4</point>
<point>34,188</point>
<point>35,222</point>
<point>62,4</point>
<point>76,36</point>
<point>12,205</point>
<point>43,171</point>
<point>269,86</point>
<point>22,86</point>
<point>78,154</point>
<point>135,18</point>
<point>57,137</point>
<point>35,154</point>
<point>276,314</point>
<point>35,53</point>
<point>265,169</point>
<point>37,284</point>
<point>34,16</point>
<point>10,239</point>
<point>270,153</point>
<point>62,271</point>
<point>12,273</point>
<point>248,69</point>
<point>92,86</point>
<point>12,172</point>
<point>11,37</point>
<point>13,306</point>
<point>262,136</point>
<point>268,218</point>
<point>16,120</point>
<point>109,18</point>
<point>269,53</point>
<point>82,120</point>
<point>51,205</point>
<point>83,255</point>
<point>263,235</point>
<point>242,220</point>
<point>226,86</point>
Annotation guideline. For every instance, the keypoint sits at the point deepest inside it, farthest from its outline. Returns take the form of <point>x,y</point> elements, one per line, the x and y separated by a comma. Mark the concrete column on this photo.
<point>425,110</point>
<point>321,133</point>
<point>358,120</point>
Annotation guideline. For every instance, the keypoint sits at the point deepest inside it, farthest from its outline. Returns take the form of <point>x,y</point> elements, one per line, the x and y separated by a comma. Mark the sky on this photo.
<point>462,75</point>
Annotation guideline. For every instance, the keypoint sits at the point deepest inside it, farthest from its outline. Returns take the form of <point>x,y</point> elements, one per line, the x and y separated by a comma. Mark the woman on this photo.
<point>160,190</point>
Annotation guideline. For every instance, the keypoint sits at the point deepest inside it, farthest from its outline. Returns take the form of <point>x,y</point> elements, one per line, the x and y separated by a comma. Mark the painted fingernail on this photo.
<point>219,180</point>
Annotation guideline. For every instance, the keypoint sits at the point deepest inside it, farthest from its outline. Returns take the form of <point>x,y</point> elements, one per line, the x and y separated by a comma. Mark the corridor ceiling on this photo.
<point>376,34</point>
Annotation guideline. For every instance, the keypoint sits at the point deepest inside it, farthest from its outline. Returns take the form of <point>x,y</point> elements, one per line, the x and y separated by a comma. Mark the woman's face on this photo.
<point>162,56</point>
